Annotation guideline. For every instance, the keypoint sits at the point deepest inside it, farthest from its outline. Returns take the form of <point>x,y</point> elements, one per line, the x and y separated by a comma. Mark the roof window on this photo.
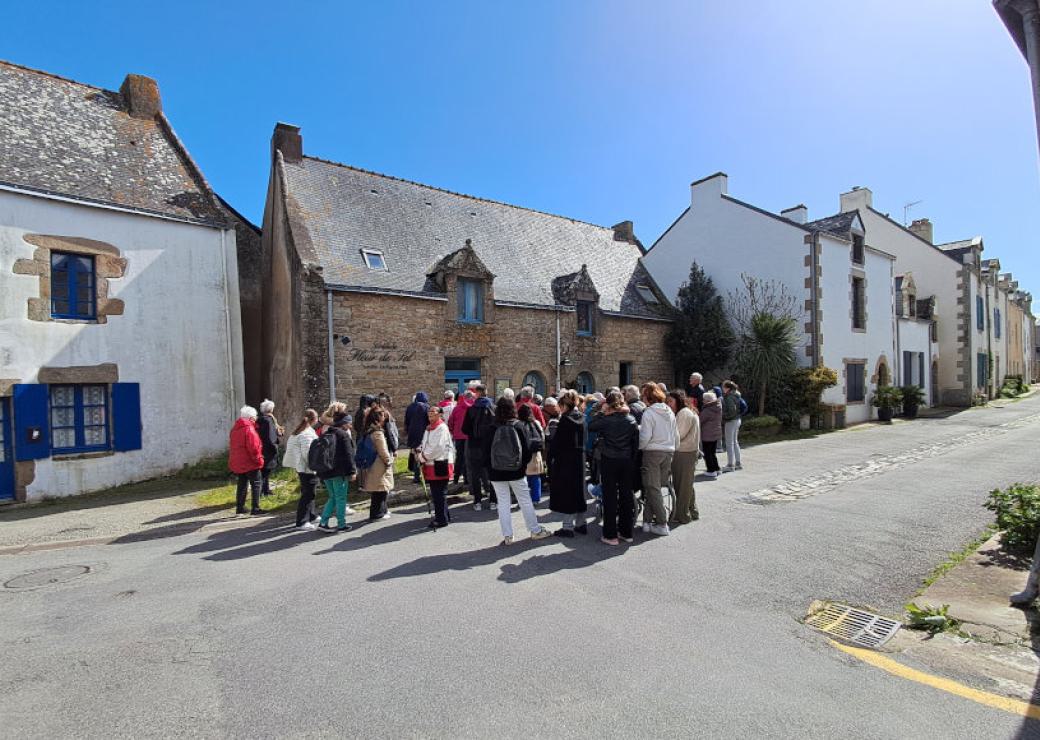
<point>374,259</point>
<point>646,294</point>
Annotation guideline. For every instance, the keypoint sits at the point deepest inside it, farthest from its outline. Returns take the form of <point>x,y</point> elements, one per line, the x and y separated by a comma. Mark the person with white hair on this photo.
<point>447,404</point>
<point>270,433</point>
<point>526,398</point>
<point>245,459</point>
<point>696,390</point>
<point>509,393</point>
<point>711,432</point>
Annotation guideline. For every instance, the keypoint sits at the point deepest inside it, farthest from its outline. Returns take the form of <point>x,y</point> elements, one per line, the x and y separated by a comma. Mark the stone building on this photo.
<point>120,344</point>
<point>373,283</point>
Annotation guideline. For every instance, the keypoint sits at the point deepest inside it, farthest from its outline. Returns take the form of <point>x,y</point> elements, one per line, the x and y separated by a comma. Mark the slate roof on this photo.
<point>339,210</point>
<point>63,137</point>
<point>839,224</point>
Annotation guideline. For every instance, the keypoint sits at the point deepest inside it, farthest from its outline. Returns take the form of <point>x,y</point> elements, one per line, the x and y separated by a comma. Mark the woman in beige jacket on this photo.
<point>378,480</point>
<point>684,461</point>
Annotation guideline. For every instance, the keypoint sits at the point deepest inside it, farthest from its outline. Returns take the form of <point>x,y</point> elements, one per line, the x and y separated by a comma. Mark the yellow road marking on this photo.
<point>877,660</point>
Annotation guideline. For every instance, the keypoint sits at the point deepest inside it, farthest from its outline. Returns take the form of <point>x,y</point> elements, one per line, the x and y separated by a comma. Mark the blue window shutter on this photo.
<point>126,416</point>
<point>32,438</point>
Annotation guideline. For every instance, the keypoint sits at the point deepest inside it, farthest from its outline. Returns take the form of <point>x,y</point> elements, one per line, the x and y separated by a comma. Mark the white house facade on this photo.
<point>120,332</point>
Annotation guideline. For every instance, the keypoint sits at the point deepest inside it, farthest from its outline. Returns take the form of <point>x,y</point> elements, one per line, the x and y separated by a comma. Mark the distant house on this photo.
<point>842,285</point>
<point>372,283</point>
<point>120,339</point>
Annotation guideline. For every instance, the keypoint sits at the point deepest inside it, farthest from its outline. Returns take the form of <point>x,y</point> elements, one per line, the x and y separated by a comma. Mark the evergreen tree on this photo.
<point>701,338</point>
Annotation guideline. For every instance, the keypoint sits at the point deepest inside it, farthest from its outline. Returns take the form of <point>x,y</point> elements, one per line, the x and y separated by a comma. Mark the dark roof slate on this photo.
<point>66,138</point>
<point>343,210</point>
<point>839,224</point>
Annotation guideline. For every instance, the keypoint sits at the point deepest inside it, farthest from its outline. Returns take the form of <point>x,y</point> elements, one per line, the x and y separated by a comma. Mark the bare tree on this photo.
<point>758,296</point>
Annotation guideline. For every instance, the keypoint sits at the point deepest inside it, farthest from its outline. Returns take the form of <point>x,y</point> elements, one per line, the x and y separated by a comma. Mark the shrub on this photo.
<point>759,422</point>
<point>912,393</point>
<point>808,385</point>
<point>887,396</point>
<point>1018,513</point>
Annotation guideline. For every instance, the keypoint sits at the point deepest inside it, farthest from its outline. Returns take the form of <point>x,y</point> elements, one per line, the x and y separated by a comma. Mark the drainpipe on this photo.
<point>332,350</point>
<point>814,251</point>
<point>559,359</point>
<point>227,325</point>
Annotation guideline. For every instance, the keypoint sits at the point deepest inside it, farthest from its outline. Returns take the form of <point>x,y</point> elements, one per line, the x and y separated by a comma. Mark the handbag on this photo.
<point>440,468</point>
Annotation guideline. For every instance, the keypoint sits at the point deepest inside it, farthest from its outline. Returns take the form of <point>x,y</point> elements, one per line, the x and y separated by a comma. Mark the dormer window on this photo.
<point>585,318</point>
<point>857,248</point>
<point>471,301</point>
<point>646,294</point>
<point>374,259</point>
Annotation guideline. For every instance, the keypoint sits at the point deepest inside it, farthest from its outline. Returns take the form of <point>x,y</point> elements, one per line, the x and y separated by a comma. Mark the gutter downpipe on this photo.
<point>559,359</point>
<point>227,324</point>
<point>332,349</point>
<point>814,248</point>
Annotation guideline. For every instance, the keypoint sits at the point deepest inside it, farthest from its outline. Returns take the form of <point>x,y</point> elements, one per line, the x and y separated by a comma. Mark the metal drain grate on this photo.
<point>854,625</point>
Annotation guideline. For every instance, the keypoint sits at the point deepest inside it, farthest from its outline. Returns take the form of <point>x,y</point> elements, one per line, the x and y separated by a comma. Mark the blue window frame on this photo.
<point>585,318</point>
<point>980,313</point>
<point>996,323</point>
<point>471,301</point>
<point>981,368</point>
<point>72,286</point>
<point>79,418</point>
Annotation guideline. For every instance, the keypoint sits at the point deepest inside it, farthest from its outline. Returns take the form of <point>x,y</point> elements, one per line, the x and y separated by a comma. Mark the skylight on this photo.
<point>646,294</point>
<point>374,259</point>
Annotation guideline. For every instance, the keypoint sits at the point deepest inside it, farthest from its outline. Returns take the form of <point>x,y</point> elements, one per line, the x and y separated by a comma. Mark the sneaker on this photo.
<point>349,511</point>
<point>728,469</point>
<point>661,530</point>
<point>385,516</point>
<point>306,527</point>
<point>344,528</point>
<point>711,476</point>
<point>739,466</point>
<point>257,512</point>
<point>477,506</point>
<point>695,516</point>
<point>540,534</point>
<point>614,542</point>
<point>507,540</point>
<point>325,528</point>
<point>494,506</point>
<point>646,527</point>
<point>563,533</point>
<point>625,539</point>
<point>582,529</point>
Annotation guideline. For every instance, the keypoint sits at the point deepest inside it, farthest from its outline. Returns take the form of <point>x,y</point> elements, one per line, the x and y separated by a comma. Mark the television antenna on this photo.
<point>906,211</point>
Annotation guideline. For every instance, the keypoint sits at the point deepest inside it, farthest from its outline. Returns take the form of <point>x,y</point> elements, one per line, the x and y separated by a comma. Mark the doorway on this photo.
<point>459,372</point>
<point>6,453</point>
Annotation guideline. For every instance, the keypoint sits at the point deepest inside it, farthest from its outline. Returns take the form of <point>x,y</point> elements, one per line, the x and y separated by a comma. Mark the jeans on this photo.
<point>683,466</point>
<point>439,494</point>
<point>657,464</point>
<point>619,508</point>
<point>478,477</point>
<point>305,509</point>
<point>570,521</point>
<point>732,445</point>
<point>523,497</point>
<point>252,480</point>
<point>460,456</point>
<point>710,460</point>
<point>534,482</point>
<point>337,488</point>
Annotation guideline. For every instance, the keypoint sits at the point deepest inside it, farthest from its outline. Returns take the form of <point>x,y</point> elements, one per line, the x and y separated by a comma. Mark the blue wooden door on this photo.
<point>6,453</point>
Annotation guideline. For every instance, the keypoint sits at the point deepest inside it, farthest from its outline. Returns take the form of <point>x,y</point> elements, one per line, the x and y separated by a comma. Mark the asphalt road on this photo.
<point>394,631</point>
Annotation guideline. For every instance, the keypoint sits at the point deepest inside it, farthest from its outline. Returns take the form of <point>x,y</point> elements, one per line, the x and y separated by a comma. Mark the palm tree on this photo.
<point>768,351</point>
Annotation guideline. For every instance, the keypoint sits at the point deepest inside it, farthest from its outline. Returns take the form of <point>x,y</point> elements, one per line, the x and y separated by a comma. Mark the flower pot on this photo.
<point>910,410</point>
<point>884,413</point>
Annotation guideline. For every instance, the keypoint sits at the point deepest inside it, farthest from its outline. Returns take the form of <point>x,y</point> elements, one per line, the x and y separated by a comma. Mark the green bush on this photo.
<point>759,422</point>
<point>887,396</point>
<point>1013,387</point>
<point>1018,514</point>
<point>912,393</point>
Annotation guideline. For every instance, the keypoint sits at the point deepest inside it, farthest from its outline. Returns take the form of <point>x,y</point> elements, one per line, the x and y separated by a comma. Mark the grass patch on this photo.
<point>211,468</point>
<point>784,435</point>
<point>285,492</point>
<point>957,557</point>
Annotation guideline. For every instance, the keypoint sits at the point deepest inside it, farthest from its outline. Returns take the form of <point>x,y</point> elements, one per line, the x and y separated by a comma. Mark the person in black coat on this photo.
<point>270,432</point>
<point>618,446</point>
<point>415,421</point>
<point>336,481</point>
<point>567,467</point>
<point>477,427</point>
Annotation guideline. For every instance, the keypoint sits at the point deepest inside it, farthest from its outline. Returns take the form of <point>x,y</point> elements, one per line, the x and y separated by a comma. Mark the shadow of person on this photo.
<point>231,544</point>
<point>581,552</point>
<point>456,561</point>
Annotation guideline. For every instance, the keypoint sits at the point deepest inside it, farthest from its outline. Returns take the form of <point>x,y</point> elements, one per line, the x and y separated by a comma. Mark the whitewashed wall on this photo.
<point>179,336</point>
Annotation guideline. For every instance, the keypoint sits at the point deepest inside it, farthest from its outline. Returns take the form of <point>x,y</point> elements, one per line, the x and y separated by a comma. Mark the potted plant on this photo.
<point>913,397</point>
<point>886,400</point>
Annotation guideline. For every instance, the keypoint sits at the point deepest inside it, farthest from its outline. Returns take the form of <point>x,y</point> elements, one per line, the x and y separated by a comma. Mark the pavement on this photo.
<point>396,631</point>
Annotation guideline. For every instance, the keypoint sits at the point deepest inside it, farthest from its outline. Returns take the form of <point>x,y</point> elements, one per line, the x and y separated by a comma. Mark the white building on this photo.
<point>120,339</point>
<point>844,286</point>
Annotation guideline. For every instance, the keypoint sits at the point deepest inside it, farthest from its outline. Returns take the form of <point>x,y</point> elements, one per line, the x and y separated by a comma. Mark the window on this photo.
<point>912,308</point>
<point>72,286</point>
<point>585,383</point>
<point>980,314</point>
<point>646,294</point>
<point>996,323</point>
<point>899,302</point>
<point>624,374</point>
<point>855,387</point>
<point>79,418</point>
<point>585,318</point>
<point>536,380</point>
<point>859,319</point>
<point>934,332</point>
<point>857,248</point>
<point>981,366</point>
<point>374,259</point>
<point>471,301</point>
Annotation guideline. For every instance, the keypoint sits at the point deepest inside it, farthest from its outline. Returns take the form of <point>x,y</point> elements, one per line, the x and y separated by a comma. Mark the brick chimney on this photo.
<point>287,140</point>
<point>856,199</point>
<point>141,96</point>
<point>624,232</point>
<point>923,228</point>
<point>799,213</point>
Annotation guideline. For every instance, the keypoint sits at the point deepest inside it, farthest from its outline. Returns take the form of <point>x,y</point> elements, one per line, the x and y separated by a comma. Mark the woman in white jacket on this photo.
<point>437,456</point>
<point>296,451</point>
<point>657,436</point>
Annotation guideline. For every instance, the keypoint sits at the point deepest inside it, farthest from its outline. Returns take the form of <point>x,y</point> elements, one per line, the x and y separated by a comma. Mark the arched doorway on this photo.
<point>537,381</point>
<point>881,375</point>
<point>585,383</point>
<point>933,396</point>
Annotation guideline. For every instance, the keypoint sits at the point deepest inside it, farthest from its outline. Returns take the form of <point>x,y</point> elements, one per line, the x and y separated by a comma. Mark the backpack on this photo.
<point>534,436</point>
<point>481,423</point>
<point>365,456</point>
<point>743,406</point>
<point>506,451</point>
<point>321,455</point>
<point>730,407</point>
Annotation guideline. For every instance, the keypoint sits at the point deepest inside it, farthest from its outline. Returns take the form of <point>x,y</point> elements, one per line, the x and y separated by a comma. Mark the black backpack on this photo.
<point>321,457</point>
<point>535,441</point>
<point>506,450</point>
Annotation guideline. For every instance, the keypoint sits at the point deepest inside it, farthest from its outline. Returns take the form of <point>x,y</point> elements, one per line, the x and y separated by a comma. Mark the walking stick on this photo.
<point>429,500</point>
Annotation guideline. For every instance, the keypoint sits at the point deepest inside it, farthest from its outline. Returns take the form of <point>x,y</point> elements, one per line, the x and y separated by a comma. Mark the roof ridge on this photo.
<point>456,193</point>
<point>45,73</point>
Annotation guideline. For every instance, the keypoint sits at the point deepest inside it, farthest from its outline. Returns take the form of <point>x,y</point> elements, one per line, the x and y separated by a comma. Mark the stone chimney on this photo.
<point>856,199</point>
<point>712,185</point>
<point>624,232</point>
<point>287,140</point>
<point>141,96</point>
<point>799,213</point>
<point>923,228</point>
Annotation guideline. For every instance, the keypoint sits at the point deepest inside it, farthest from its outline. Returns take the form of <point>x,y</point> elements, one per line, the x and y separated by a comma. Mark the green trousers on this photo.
<point>337,488</point>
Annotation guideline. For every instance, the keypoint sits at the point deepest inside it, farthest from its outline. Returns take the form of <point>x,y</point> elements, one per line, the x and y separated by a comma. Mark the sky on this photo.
<point>598,110</point>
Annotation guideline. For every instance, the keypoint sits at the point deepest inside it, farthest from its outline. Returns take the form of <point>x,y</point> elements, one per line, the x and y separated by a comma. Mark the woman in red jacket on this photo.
<point>246,458</point>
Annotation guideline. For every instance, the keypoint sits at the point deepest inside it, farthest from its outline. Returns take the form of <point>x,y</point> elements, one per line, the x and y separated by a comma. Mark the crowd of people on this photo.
<point>629,442</point>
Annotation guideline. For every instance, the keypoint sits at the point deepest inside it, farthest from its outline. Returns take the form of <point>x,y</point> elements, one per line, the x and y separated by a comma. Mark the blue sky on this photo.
<point>598,110</point>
